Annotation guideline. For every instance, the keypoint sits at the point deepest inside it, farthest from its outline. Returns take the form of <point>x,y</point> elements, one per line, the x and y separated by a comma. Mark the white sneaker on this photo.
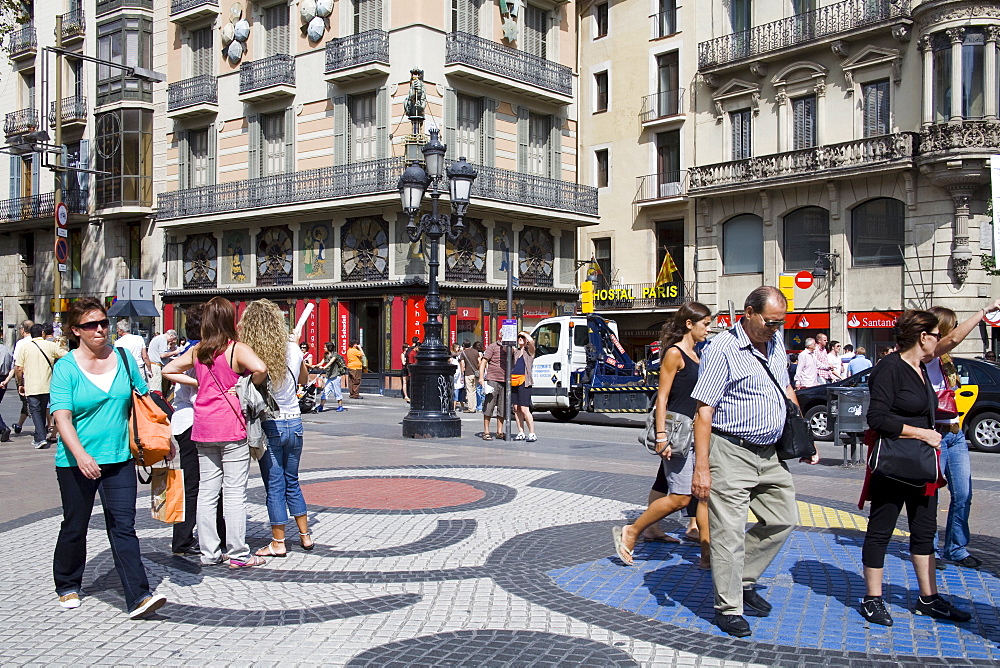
<point>149,605</point>
<point>532,438</point>
<point>519,437</point>
<point>70,601</point>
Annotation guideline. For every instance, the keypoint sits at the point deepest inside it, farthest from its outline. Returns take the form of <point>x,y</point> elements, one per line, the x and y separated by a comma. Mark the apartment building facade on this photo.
<point>106,127</point>
<point>852,137</point>
<point>637,64</point>
<point>283,138</point>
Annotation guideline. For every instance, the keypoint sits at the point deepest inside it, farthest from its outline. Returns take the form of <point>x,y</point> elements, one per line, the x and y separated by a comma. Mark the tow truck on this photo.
<point>580,365</point>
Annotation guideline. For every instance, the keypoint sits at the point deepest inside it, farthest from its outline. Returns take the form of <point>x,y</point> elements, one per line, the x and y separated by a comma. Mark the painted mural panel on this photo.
<point>315,241</point>
<point>408,256</point>
<point>236,257</point>
<point>503,247</point>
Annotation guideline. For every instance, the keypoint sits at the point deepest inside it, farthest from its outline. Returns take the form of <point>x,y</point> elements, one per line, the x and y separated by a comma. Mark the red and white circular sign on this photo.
<point>993,317</point>
<point>804,280</point>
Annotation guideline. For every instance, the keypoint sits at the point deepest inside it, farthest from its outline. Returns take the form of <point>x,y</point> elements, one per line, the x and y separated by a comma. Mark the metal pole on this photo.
<point>57,195</point>
<point>510,347</point>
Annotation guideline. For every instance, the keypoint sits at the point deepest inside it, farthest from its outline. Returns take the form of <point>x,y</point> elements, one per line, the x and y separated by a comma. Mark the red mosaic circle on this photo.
<point>391,493</point>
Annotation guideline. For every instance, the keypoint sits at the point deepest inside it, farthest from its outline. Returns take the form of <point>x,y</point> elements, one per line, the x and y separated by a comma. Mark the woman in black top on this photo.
<point>678,375</point>
<point>902,406</point>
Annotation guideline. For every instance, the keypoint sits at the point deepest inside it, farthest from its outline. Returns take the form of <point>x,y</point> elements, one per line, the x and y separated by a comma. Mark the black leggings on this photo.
<point>887,498</point>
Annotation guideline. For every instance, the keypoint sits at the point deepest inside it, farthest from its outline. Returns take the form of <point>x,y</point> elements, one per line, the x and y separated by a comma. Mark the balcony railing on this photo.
<point>823,22</point>
<point>664,23</point>
<point>661,105</point>
<point>203,89</point>
<point>371,46</point>
<point>368,178</point>
<point>73,24</point>
<point>108,6</point>
<point>638,295</point>
<point>661,186</point>
<point>521,66</point>
<point>23,40</point>
<point>20,122</point>
<point>74,110</point>
<point>819,161</point>
<point>974,135</point>
<point>178,6</point>
<point>276,70</point>
<point>42,206</point>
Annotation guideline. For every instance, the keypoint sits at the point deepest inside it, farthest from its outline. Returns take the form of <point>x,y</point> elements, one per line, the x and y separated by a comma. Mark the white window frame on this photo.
<point>594,164</point>
<point>594,36</point>
<point>596,69</point>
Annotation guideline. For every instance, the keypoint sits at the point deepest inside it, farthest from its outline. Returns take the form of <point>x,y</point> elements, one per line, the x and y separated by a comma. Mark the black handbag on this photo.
<point>796,438</point>
<point>908,460</point>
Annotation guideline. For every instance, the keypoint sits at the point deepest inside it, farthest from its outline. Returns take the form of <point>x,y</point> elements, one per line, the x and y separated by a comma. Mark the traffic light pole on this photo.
<point>57,195</point>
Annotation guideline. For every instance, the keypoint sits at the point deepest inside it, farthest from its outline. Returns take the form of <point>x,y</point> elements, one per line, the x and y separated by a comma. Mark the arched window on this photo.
<point>807,230</point>
<point>743,245</point>
<point>877,230</point>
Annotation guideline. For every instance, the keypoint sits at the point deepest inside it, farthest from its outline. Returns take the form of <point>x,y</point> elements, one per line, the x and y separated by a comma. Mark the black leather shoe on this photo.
<point>754,604</point>
<point>969,562</point>
<point>734,625</point>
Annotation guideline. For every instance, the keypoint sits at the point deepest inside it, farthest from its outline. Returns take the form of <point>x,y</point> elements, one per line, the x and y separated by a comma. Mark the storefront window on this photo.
<point>807,230</point>
<point>743,245</point>
<point>877,233</point>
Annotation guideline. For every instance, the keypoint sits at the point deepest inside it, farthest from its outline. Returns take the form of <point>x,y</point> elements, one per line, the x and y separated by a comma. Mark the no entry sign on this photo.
<point>804,280</point>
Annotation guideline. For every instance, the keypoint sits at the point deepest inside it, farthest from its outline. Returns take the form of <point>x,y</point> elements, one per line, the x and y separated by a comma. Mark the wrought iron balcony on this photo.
<point>20,122</point>
<point>842,17</point>
<point>108,6</point>
<point>504,185</point>
<point>23,42</point>
<point>344,53</point>
<point>182,6</point>
<point>74,110</point>
<point>662,105</point>
<point>666,185</point>
<point>74,24</point>
<point>638,295</point>
<point>819,162</point>
<point>514,64</point>
<point>976,135</point>
<point>664,23</point>
<point>203,89</point>
<point>37,207</point>
<point>276,70</point>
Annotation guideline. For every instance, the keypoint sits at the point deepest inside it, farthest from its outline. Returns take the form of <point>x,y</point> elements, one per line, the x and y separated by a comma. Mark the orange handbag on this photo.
<point>167,486</point>
<point>149,425</point>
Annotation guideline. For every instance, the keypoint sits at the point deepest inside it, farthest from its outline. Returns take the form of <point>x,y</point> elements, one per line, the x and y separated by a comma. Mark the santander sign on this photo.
<point>872,319</point>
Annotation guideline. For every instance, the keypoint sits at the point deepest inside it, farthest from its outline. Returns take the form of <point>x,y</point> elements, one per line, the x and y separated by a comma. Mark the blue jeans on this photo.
<point>279,467</point>
<point>956,468</point>
<point>117,487</point>
<point>480,397</point>
<point>38,408</point>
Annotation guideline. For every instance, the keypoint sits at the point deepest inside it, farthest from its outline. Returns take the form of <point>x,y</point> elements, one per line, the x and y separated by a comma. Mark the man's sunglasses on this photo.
<point>94,324</point>
<point>771,324</point>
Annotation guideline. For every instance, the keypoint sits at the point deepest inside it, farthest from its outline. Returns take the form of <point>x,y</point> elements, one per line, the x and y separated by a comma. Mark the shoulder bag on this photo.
<point>796,440</point>
<point>907,460</point>
<point>679,430</point>
<point>149,423</point>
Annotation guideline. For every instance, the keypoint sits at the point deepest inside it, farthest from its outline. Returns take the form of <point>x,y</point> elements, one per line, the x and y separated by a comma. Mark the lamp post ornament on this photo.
<point>431,409</point>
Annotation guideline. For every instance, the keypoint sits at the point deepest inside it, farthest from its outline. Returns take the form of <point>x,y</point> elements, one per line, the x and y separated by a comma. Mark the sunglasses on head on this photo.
<point>94,324</point>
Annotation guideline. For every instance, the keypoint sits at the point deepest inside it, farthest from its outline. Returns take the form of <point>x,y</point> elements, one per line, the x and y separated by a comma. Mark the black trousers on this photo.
<point>888,496</point>
<point>183,538</point>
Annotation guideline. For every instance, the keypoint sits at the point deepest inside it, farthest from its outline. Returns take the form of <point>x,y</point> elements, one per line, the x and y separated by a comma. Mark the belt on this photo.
<point>742,442</point>
<point>287,416</point>
<point>947,427</point>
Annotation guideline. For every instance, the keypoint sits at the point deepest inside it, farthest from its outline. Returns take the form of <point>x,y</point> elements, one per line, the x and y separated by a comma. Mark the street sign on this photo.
<point>62,232</point>
<point>508,330</point>
<point>62,214</point>
<point>62,251</point>
<point>804,280</point>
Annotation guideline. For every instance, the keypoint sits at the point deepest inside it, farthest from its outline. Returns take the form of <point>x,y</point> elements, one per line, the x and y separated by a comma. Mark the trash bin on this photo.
<point>848,412</point>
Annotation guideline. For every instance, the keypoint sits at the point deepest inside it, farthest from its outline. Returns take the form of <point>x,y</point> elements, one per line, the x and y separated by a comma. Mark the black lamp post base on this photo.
<point>425,424</point>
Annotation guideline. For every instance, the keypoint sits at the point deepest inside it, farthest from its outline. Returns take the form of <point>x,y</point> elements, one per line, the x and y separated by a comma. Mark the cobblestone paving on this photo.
<point>475,566</point>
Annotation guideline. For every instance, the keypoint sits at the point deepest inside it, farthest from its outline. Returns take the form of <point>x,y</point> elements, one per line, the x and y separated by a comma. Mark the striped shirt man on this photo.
<point>733,381</point>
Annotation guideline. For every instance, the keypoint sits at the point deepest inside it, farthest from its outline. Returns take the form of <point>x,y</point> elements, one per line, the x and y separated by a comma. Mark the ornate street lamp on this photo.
<point>431,408</point>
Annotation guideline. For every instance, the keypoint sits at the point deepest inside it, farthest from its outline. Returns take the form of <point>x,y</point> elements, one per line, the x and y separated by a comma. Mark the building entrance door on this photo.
<point>370,330</point>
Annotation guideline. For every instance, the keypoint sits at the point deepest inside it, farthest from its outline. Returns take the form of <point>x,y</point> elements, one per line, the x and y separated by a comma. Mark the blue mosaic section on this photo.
<point>815,585</point>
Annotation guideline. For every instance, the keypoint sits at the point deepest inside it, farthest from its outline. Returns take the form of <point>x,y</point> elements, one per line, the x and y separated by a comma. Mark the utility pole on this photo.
<point>57,195</point>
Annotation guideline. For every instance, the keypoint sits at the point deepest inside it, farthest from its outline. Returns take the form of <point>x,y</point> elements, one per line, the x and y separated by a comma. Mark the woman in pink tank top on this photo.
<point>219,431</point>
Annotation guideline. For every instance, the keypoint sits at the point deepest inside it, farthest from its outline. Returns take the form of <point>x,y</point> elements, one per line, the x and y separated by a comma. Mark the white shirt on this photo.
<point>102,380</point>
<point>283,387</point>
<point>135,345</point>
<point>157,346</point>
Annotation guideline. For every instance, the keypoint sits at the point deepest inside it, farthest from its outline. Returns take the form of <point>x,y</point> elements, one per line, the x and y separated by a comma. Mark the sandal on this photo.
<point>268,550</point>
<point>305,547</point>
<point>487,436</point>
<point>249,562</point>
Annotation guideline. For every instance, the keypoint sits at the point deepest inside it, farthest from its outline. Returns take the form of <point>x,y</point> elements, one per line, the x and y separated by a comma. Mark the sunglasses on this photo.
<point>771,324</point>
<point>936,335</point>
<point>94,324</point>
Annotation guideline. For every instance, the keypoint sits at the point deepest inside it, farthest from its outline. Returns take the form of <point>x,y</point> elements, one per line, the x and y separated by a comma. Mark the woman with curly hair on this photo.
<point>264,329</point>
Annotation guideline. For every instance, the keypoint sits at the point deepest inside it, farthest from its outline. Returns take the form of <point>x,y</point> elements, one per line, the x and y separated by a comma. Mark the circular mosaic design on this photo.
<point>391,493</point>
<point>494,647</point>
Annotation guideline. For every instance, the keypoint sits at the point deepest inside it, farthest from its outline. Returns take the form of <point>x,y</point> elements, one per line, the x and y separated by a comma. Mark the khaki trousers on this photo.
<point>742,479</point>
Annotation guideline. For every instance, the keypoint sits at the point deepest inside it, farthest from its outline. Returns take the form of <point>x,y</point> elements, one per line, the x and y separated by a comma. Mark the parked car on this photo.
<point>978,403</point>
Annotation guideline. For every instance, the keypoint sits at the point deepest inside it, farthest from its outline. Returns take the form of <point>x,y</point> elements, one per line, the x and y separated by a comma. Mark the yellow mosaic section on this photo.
<point>823,517</point>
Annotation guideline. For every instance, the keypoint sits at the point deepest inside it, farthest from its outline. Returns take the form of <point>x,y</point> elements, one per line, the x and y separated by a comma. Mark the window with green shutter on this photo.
<point>875,108</point>
<point>275,22</point>
<point>803,122</point>
<point>741,134</point>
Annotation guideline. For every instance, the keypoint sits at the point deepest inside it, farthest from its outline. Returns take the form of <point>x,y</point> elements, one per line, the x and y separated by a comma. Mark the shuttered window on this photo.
<point>273,143</point>
<point>803,122</point>
<point>198,158</point>
<point>875,101</point>
<point>536,29</point>
<point>364,137</point>
<point>600,92</point>
<point>538,139</point>
<point>468,128</point>
<point>601,20</point>
<point>601,158</point>
<point>741,135</point>
<point>276,28</point>
<point>201,51</point>
<point>367,15</point>
<point>465,16</point>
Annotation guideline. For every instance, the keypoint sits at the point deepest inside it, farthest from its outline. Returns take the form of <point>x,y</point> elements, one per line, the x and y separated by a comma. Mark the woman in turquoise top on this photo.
<point>90,398</point>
